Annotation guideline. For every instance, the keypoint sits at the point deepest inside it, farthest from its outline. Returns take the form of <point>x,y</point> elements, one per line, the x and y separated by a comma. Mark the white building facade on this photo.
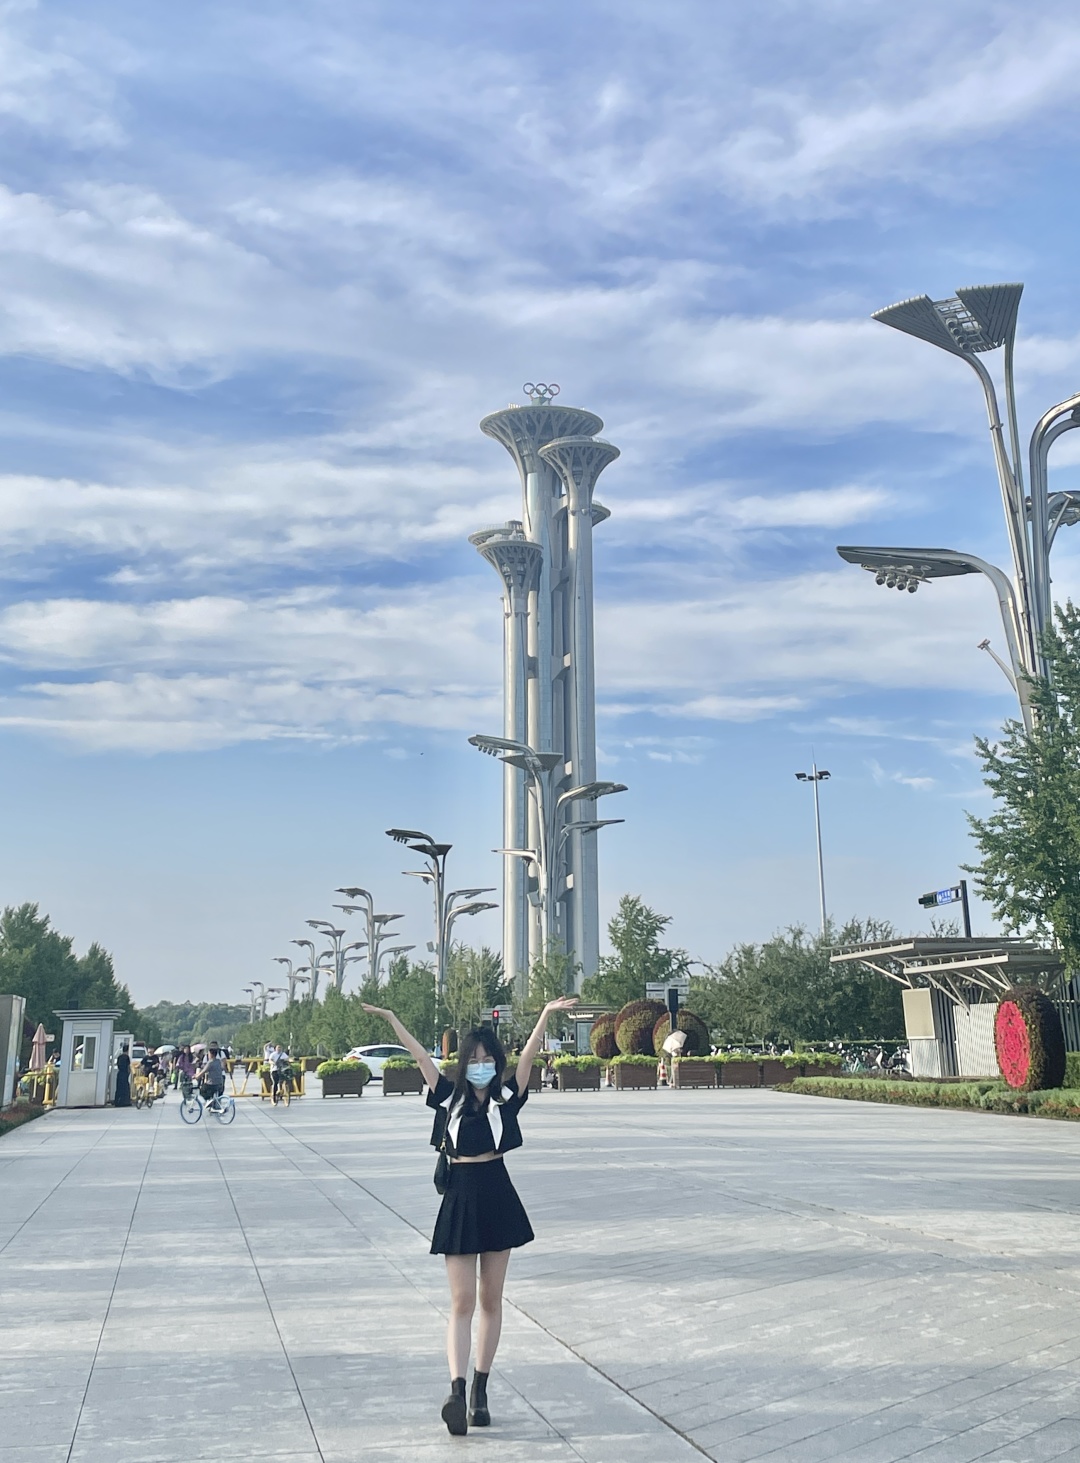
<point>548,744</point>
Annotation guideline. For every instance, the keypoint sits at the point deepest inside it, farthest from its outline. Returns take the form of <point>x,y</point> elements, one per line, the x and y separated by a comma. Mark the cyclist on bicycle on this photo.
<point>212,1076</point>
<point>279,1068</point>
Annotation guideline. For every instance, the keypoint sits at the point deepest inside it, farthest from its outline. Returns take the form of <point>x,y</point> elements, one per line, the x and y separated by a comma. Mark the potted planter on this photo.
<point>740,1074</point>
<point>694,1072</point>
<point>774,1072</point>
<point>343,1079</point>
<point>817,1069</point>
<point>397,1081</point>
<point>630,1076</point>
<point>579,1074</point>
<point>534,1076</point>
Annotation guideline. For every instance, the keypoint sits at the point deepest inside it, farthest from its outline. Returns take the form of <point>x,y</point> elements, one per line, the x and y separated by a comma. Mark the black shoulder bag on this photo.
<point>442,1163</point>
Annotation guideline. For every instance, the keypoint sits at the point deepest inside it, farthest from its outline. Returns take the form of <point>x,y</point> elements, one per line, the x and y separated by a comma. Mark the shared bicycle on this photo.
<point>193,1104</point>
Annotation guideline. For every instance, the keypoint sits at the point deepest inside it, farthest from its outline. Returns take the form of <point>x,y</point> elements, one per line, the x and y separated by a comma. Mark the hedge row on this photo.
<point>986,1096</point>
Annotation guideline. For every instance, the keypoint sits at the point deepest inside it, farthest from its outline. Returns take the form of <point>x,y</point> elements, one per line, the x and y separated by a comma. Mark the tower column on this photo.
<point>579,461</point>
<point>517,562</point>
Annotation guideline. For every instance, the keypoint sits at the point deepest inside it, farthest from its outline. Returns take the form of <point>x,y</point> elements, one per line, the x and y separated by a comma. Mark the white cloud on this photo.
<point>916,782</point>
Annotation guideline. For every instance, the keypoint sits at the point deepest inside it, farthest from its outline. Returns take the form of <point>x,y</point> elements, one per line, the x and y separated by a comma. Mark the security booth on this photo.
<point>12,1013</point>
<point>86,1066</point>
<point>951,990</point>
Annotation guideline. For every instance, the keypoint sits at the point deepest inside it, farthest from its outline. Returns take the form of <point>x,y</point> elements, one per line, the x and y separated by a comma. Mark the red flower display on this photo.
<point>1029,1040</point>
<point>1013,1046</point>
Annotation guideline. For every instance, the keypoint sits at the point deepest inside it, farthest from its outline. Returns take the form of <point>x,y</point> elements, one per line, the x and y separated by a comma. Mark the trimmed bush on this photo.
<point>1029,1040</point>
<point>697,1033</point>
<point>399,1064</point>
<point>1072,1070</point>
<point>579,1064</point>
<point>633,1059</point>
<point>602,1036</point>
<point>996,1097</point>
<point>344,1069</point>
<point>634,1027</point>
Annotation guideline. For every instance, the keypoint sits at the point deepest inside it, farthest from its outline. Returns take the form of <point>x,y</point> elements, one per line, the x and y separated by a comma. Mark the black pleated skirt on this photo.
<point>480,1211</point>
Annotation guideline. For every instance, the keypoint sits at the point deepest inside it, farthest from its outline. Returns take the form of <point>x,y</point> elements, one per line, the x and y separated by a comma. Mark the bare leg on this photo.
<point>492,1275</point>
<point>461,1273</point>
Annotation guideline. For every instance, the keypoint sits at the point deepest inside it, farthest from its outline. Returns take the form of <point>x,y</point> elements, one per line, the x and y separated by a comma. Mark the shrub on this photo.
<point>697,1033</point>
<point>1072,1069</point>
<point>602,1036</point>
<point>1029,1040</point>
<point>580,1064</point>
<point>335,1068</point>
<point>996,1097</point>
<point>400,1064</point>
<point>633,1059</point>
<point>634,1027</point>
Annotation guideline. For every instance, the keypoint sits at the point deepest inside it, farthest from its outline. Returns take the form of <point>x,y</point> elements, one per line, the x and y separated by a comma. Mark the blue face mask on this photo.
<point>480,1074</point>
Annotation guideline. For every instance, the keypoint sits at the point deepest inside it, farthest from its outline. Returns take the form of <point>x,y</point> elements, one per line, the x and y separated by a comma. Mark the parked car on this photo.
<point>373,1057</point>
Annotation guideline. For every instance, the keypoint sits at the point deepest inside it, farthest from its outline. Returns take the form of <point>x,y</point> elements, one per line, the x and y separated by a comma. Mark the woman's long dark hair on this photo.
<point>466,1054</point>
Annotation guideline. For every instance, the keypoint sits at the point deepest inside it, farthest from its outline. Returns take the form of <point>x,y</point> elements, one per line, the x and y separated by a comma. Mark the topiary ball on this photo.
<point>634,1025</point>
<point>698,1043</point>
<point>1029,1040</point>
<point>602,1036</point>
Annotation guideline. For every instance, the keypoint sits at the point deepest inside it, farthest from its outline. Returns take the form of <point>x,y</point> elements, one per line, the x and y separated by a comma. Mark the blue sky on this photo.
<point>264,269</point>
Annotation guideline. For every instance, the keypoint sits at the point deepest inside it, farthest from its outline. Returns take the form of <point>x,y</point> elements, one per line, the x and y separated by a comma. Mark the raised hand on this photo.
<point>562,1003</point>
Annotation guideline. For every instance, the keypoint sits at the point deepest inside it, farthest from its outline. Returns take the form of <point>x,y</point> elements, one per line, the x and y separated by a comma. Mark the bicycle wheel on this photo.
<point>191,1109</point>
<point>225,1110</point>
<point>286,1090</point>
<point>138,1098</point>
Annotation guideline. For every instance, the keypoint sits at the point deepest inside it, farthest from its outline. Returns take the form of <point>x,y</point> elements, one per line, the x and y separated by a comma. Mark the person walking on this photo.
<point>481,1219</point>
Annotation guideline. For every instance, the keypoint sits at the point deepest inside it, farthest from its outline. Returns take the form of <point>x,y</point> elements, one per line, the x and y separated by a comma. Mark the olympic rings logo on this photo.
<point>540,390</point>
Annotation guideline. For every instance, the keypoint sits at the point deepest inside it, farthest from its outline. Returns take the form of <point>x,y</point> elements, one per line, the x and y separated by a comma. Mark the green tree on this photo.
<point>786,990</point>
<point>1029,871</point>
<point>39,963</point>
<point>638,957</point>
<point>553,976</point>
<point>474,983</point>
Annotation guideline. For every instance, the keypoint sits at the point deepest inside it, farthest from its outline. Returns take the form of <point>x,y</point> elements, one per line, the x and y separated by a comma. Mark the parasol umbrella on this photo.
<point>166,1048</point>
<point>199,1046</point>
<point>37,1049</point>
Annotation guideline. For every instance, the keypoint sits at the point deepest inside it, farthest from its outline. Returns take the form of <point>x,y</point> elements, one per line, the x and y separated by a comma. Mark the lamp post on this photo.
<point>970,324</point>
<point>435,874</point>
<point>272,990</point>
<point>375,922</point>
<point>250,991</point>
<point>314,965</point>
<point>434,855</point>
<point>293,975</point>
<point>816,777</point>
<point>541,774</point>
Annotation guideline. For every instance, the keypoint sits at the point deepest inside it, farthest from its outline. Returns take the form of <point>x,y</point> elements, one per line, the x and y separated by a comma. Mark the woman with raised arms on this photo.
<point>481,1218</point>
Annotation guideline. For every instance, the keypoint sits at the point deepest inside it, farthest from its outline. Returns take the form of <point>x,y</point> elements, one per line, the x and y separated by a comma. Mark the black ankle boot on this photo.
<point>453,1409</point>
<point>479,1415</point>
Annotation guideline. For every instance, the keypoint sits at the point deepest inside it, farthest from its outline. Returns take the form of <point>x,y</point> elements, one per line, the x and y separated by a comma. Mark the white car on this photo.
<point>374,1057</point>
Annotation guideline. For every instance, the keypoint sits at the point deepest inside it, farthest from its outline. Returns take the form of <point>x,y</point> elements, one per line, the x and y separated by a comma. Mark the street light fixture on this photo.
<point>816,777</point>
<point>315,965</point>
<point>540,770</point>
<point>250,991</point>
<point>971,323</point>
<point>390,950</point>
<point>435,874</point>
<point>375,922</point>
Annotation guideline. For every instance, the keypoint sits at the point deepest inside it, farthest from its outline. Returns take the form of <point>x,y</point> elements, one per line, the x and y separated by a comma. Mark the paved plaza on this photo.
<point>729,1275</point>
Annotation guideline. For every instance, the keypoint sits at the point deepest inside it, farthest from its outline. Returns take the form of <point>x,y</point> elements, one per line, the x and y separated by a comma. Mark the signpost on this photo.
<point>955,894</point>
<point>671,992</point>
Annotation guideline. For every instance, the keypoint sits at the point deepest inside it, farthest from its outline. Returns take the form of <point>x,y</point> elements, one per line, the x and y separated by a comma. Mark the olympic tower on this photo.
<point>548,746</point>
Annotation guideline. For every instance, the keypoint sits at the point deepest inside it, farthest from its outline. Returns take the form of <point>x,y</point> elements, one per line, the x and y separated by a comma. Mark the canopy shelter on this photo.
<point>951,990</point>
<point>965,971</point>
